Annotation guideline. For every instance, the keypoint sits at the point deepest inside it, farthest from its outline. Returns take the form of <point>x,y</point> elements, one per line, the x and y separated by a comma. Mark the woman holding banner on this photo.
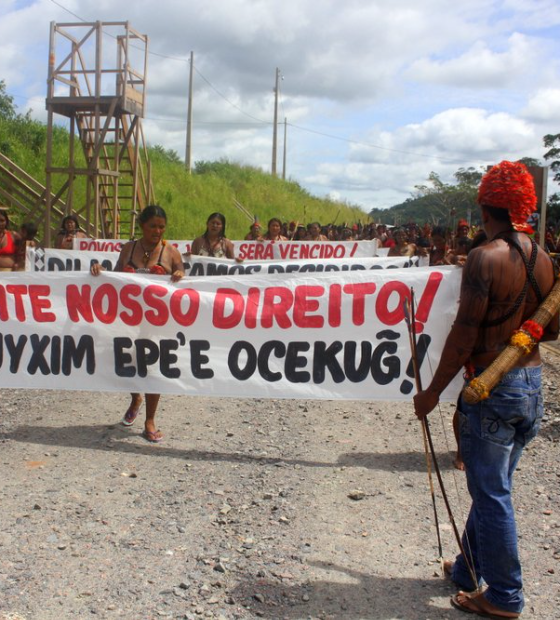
<point>152,255</point>
<point>9,242</point>
<point>69,230</point>
<point>274,232</point>
<point>214,241</point>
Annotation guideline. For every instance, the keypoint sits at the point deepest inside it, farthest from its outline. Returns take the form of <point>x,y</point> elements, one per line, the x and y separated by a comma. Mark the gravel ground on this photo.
<point>249,509</point>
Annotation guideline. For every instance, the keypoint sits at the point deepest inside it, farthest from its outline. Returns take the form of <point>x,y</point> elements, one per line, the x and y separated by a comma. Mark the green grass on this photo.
<point>187,198</point>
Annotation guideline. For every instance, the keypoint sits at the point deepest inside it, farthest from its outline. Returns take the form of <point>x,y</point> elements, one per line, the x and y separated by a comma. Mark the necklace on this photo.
<point>214,246</point>
<point>147,254</point>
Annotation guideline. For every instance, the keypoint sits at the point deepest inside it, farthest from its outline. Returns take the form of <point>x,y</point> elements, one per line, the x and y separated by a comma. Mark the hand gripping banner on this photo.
<point>340,335</point>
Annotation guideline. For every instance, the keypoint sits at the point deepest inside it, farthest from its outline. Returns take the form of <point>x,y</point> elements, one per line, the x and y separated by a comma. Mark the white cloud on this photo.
<point>543,106</point>
<point>480,66</point>
<point>437,85</point>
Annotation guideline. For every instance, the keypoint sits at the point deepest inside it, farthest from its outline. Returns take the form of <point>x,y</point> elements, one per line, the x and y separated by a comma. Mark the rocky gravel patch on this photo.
<point>251,508</point>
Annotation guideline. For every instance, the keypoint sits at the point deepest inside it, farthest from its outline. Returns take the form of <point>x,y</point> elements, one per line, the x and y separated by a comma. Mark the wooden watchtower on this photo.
<point>97,80</point>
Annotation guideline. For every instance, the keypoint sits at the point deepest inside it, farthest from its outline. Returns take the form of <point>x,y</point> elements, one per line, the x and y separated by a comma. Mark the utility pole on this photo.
<point>275,125</point>
<point>285,142</point>
<point>189,118</point>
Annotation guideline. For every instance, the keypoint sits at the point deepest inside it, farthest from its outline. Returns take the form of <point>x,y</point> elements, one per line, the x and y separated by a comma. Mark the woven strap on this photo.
<point>530,269</point>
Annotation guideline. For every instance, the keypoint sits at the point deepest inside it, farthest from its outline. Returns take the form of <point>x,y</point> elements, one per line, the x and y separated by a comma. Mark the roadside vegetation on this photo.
<point>187,198</point>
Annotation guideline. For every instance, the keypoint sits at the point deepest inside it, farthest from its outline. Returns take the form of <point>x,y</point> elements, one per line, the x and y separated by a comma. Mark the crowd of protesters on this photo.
<point>443,245</point>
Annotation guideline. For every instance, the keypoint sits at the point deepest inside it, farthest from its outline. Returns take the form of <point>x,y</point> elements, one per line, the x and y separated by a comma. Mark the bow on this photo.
<point>410,319</point>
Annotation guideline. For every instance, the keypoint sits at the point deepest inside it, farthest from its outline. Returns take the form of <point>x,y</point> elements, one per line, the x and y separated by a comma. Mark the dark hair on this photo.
<point>479,238</point>
<point>4,213</point>
<point>151,211</point>
<point>439,231</point>
<point>222,218</point>
<point>498,213</point>
<point>30,229</point>
<point>274,219</point>
<point>67,218</point>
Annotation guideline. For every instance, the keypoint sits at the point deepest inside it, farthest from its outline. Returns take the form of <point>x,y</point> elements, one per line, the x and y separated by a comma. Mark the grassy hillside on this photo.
<point>188,199</point>
<point>214,186</point>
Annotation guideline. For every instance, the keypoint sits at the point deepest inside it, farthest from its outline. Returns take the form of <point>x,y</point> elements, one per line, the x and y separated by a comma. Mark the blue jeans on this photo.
<point>493,434</point>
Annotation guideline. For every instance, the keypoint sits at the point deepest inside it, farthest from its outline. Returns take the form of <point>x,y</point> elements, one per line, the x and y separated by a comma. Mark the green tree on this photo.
<point>7,108</point>
<point>529,162</point>
<point>451,200</point>
<point>552,143</point>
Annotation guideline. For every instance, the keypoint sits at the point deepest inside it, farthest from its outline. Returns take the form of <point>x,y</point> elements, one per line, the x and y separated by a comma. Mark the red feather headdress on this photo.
<point>509,185</point>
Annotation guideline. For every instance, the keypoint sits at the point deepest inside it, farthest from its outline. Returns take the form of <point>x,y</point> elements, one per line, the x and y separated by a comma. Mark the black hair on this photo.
<point>479,238</point>
<point>67,218</point>
<point>439,231</point>
<point>273,219</point>
<point>152,211</point>
<point>222,218</point>
<point>4,214</point>
<point>30,229</point>
<point>498,213</point>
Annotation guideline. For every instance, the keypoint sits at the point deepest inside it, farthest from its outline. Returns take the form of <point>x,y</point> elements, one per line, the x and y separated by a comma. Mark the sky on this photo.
<point>376,94</point>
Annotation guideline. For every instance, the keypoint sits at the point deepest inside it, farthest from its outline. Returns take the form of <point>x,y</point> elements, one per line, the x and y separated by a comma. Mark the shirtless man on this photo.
<point>495,302</point>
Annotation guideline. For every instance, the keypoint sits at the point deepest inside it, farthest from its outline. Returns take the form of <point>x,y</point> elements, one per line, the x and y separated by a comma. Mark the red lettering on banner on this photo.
<point>303,251</point>
<point>427,299</point>
<point>335,301</point>
<point>339,251</point>
<point>267,250</point>
<point>39,303</point>
<point>35,292</point>
<point>359,292</point>
<point>284,248</point>
<point>227,315</point>
<point>387,316</point>
<point>185,318</point>
<point>3,306</point>
<point>134,317</point>
<point>18,291</point>
<point>105,303</point>
<point>153,297</point>
<point>252,307</point>
<point>354,248</point>
<point>78,303</point>
<point>304,305</point>
<point>277,310</point>
<point>246,250</point>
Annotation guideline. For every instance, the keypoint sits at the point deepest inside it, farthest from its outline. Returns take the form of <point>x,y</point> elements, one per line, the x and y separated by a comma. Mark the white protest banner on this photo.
<point>207,266</point>
<point>325,336</point>
<point>74,260</point>
<point>303,250</point>
<point>257,250</point>
<point>51,259</point>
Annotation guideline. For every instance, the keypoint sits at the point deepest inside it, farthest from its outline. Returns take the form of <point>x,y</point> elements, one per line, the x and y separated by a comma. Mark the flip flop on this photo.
<point>153,436</point>
<point>130,415</point>
<point>476,608</point>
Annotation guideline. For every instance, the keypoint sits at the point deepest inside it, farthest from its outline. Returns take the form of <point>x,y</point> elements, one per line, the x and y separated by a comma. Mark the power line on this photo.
<point>375,146</point>
<point>230,102</point>
<point>308,130</point>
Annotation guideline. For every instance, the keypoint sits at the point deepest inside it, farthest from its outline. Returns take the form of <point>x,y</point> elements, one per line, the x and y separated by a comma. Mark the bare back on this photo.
<point>493,280</point>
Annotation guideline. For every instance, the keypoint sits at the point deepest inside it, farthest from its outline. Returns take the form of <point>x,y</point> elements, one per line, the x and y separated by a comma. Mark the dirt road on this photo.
<point>249,509</point>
